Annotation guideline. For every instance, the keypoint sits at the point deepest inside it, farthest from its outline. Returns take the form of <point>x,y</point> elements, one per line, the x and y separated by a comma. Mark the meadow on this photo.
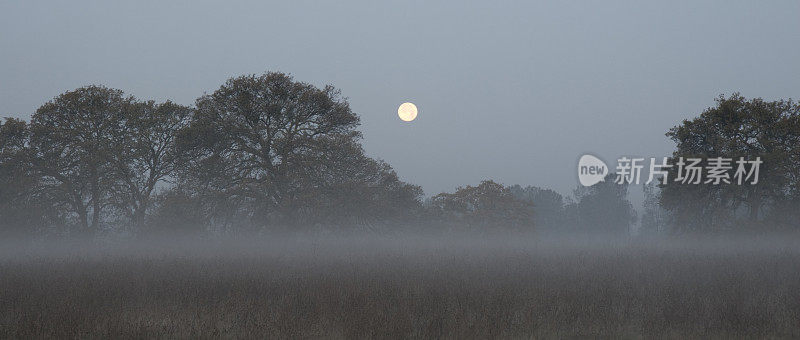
<point>401,287</point>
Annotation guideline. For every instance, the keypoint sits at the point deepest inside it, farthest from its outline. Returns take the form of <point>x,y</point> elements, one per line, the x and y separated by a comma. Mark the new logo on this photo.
<point>591,170</point>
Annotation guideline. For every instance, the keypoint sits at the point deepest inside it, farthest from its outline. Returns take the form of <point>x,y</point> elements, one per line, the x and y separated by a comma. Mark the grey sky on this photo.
<point>515,91</point>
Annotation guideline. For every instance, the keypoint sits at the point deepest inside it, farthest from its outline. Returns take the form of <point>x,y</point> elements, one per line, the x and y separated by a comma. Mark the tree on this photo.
<point>256,148</point>
<point>548,206</point>
<point>101,154</point>
<point>73,137</point>
<point>342,187</point>
<point>737,127</point>
<point>654,217</point>
<point>145,155</point>
<point>23,209</point>
<point>603,208</point>
<point>486,206</point>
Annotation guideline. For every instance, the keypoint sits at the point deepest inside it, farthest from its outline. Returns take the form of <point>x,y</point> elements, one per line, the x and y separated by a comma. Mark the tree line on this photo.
<point>261,151</point>
<point>266,152</point>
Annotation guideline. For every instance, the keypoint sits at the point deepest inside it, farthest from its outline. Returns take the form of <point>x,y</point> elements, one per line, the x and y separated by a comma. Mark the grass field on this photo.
<point>402,288</point>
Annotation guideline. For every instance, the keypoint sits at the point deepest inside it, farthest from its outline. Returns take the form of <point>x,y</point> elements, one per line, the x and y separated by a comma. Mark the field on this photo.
<point>409,287</point>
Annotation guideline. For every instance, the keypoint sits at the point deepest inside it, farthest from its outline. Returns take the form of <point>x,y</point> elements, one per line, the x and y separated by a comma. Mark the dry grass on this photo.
<point>403,289</point>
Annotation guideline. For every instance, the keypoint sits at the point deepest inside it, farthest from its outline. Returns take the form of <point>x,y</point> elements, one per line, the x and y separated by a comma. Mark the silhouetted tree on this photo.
<point>342,187</point>
<point>145,155</point>
<point>100,155</point>
<point>737,127</point>
<point>548,206</point>
<point>73,138</point>
<point>269,150</point>
<point>603,208</point>
<point>23,208</point>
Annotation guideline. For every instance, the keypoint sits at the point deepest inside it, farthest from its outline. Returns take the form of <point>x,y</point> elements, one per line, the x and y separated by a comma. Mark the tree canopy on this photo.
<point>738,127</point>
<point>267,152</point>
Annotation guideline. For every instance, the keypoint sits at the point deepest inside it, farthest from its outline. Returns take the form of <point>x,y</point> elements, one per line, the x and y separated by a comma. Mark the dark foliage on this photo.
<point>737,127</point>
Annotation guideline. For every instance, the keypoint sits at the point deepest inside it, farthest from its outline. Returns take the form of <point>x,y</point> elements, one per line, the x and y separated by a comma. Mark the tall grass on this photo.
<point>402,288</point>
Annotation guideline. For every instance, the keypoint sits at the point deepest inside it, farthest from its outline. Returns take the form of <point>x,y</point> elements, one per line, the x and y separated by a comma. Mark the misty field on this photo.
<point>465,287</point>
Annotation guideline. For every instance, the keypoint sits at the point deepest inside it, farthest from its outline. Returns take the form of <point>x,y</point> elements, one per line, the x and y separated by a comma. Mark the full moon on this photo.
<point>407,112</point>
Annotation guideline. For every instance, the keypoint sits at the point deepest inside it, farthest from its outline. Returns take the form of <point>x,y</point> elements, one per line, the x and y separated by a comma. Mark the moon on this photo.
<point>407,112</point>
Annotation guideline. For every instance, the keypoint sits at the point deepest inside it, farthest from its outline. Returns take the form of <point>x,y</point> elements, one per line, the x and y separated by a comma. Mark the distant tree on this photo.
<point>548,206</point>
<point>654,217</point>
<point>603,208</point>
<point>486,206</point>
<point>73,137</point>
<point>737,127</point>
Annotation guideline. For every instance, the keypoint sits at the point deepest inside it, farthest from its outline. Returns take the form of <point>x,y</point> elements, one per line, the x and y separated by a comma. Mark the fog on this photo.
<point>243,170</point>
<point>406,286</point>
<point>376,248</point>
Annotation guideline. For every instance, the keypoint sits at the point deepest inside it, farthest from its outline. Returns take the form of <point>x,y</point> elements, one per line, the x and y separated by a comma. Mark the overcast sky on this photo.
<point>514,92</point>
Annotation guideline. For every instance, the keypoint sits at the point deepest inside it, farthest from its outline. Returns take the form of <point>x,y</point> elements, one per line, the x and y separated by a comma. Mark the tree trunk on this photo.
<point>754,209</point>
<point>138,216</point>
<point>754,205</point>
<point>95,201</point>
<point>83,216</point>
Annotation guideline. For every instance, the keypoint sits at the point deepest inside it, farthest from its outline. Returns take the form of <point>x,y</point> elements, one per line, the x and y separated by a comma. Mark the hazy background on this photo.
<point>515,92</point>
